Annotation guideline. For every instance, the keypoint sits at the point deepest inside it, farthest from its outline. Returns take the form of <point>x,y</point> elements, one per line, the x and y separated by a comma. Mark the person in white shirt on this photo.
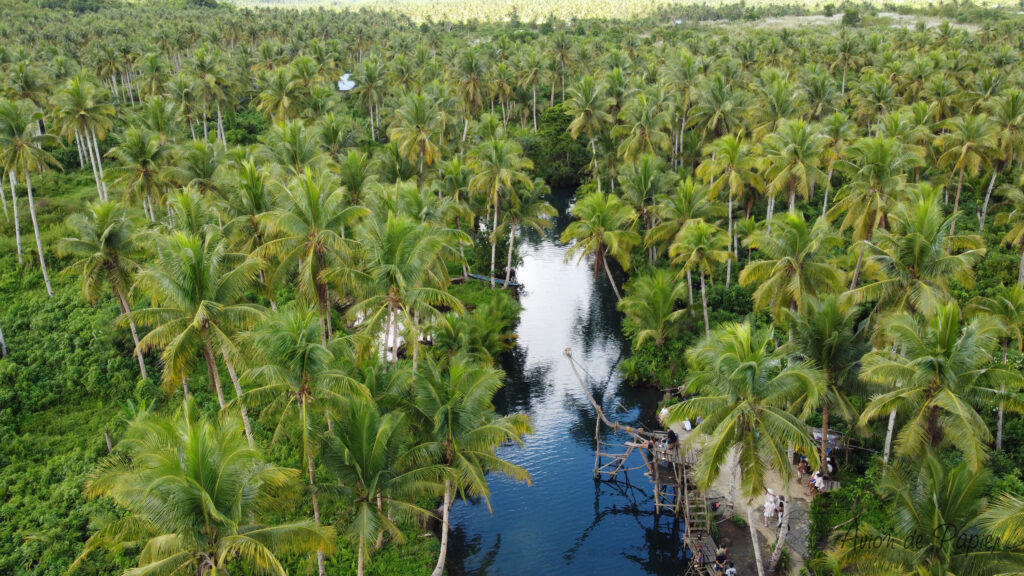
<point>731,570</point>
<point>769,506</point>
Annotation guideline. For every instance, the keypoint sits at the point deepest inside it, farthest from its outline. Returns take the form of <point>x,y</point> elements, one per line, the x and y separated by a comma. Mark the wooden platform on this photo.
<point>704,548</point>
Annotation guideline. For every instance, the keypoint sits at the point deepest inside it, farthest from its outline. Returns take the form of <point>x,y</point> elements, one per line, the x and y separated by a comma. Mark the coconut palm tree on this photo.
<point>295,386</point>
<point>527,208</point>
<point>917,257</point>
<point>730,164</point>
<point>416,129</point>
<point>794,264</point>
<point>82,115</point>
<point>498,166</point>
<point>642,128</point>
<point>292,148</point>
<point>105,253</point>
<point>199,500</point>
<point>589,105</point>
<point>877,168</point>
<point>403,279</point>
<point>640,184</point>
<point>378,473</point>
<point>690,200</point>
<point>1014,218</point>
<point>701,247</point>
<point>602,227</point>
<point>1006,306</point>
<point>22,151</point>
<point>826,333</point>
<point>1008,115</point>
<point>307,233</point>
<point>792,154</point>
<point>941,379</point>
<point>934,508</point>
<point>196,288</point>
<point>650,306</point>
<point>145,169</point>
<point>742,389</point>
<point>453,408</point>
<point>970,143</point>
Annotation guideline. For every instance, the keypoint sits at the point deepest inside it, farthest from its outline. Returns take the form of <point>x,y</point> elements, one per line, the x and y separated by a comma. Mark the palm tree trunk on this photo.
<point>534,89</point>
<point>999,416</point>
<point>754,540</point>
<point>689,288</point>
<point>184,387</point>
<point>92,163</point>
<point>988,196</point>
<point>81,158</point>
<point>17,226</point>
<point>3,343</point>
<point>824,434</point>
<point>321,565</point>
<point>728,263</point>
<point>956,202</point>
<point>494,242</point>
<point>108,440</point>
<point>238,394</point>
<point>445,507</point>
<point>360,561</point>
<point>394,336</point>
<point>780,544</point>
<point>608,272</point>
<point>704,302</point>
<point>125,309</point>
<point>511,244</point>
<point>593,160</point>
<point>828,187</point>
<point>35,226</point>
<point>206,130</point>
<point>856,270</point>
<point>888,437</point>
<point>211,368</point>
<point>99,164</point>
<point>220,125</point>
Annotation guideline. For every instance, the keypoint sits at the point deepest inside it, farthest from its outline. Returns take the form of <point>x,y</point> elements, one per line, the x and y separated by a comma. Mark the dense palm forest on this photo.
<point>237,333</point>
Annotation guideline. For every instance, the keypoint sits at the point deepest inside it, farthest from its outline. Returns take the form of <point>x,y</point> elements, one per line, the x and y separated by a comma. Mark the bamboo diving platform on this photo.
<point>670,470</point>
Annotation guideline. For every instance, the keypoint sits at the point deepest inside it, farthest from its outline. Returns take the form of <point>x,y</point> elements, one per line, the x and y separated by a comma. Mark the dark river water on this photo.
<point>566,523</point>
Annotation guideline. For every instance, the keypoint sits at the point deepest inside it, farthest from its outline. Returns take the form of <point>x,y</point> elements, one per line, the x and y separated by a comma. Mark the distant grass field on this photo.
<point>546,10</point>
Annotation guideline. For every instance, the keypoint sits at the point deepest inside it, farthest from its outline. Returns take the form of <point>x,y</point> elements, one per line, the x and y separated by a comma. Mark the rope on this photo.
<point>600,412</point>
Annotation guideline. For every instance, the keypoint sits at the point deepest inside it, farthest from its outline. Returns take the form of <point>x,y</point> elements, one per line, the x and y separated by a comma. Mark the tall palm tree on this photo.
<point>642,128</point>
<point>200,500</point>
<point>1006,306</point>
<point>730,164</point>
<point>498,166</point>
<point>453,408</point>
<point>700,246</point>
<point>527,208</point>
<point>308,233</point>
<point>378,472</point>
<point>934,508</point>
<point>105,253</point>
<point>917,258</point>
<point>403,278</point>
<point>650,306</point>
<point>792,154</point>
<point>690,200</point>
<point>1008,115</point>
<point>877,168</point>
<point>641,183</point>
<point>602,227</point>
<point>82,115</point>
<point>22,151</point>
<point>292,147</point>
<point>589,106</point>
<point>969,143</point>
<point>145,169</point>
<point>278,98</point>
<point>296,387</point>
<point>416,129</point>
<point>794,264</point>
<point>941,379</point>
<point>742,389</point>
<point>826,333</point>
<point>196,288</point>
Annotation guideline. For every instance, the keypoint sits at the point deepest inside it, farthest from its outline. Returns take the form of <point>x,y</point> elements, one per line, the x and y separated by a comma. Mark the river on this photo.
<point>565,522</point>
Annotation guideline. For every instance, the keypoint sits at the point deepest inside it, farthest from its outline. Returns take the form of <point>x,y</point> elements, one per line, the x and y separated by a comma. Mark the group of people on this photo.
<point>815,480</point>
<point>774,507</point>
<point>722,563</point>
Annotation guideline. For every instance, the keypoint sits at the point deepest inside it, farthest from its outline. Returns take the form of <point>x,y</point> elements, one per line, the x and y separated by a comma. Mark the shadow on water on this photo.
<point>566,522</point>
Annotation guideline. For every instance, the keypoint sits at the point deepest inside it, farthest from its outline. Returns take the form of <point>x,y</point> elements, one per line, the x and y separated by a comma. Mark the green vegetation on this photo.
<point>236,271</point>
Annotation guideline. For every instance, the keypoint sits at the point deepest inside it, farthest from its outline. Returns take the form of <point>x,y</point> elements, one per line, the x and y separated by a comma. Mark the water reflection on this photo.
<point>566,522</point>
